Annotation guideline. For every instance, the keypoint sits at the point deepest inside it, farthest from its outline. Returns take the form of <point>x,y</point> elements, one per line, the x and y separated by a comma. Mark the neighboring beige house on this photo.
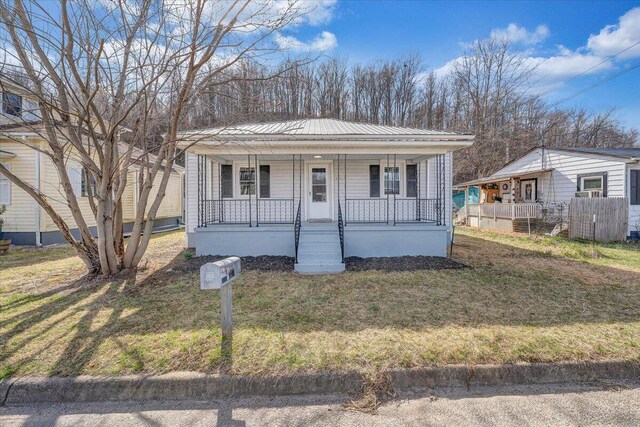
<point>25,222</point>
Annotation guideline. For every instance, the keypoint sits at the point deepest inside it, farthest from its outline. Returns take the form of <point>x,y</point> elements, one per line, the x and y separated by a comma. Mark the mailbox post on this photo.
<point>220,275</point>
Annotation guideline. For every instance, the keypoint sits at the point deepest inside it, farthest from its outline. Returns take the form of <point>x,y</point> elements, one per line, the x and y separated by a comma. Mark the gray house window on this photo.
<point>412,180</point>
<point>265,181</point>
<point>593,182</point>
<point>226,175</point>
<point>85,185</point>
<point>374,180</point>
<point>634,188</point>
<point>11,104</point>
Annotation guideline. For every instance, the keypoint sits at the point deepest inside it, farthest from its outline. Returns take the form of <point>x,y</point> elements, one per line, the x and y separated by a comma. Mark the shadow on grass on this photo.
<point>504,287</point>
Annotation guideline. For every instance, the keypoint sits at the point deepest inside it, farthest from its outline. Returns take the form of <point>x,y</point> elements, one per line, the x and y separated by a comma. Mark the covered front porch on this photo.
<point>508,201</point>
<point>265,190</point>
<point>320,190</point>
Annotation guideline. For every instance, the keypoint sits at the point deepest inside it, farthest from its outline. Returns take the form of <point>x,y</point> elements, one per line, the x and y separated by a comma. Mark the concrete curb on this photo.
<point>196,386</point>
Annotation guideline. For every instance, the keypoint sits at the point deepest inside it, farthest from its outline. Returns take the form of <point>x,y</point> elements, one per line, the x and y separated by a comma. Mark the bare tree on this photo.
<point>113,82</point>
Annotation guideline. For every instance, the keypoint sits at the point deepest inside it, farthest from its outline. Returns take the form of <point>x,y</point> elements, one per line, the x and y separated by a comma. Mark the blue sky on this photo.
<point>563,38</point>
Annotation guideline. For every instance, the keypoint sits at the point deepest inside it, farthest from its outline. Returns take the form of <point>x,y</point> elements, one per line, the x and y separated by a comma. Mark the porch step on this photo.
<point>319,250</point>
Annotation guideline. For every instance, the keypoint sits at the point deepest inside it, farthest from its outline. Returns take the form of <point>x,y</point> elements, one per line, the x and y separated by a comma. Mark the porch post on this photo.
<point>293,187</point>
<point>256,189</point>
<point>384,186</point>
<point>394,187</point>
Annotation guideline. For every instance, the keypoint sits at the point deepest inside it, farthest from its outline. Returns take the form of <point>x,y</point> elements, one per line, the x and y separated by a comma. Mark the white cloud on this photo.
<point>614,38</point>
<point>319,11</point>
<point>520,35</point>
<point>553,70</point>
<point>323,41</point>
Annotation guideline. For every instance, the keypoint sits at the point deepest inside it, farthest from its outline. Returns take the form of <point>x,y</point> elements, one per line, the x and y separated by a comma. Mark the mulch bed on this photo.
<point>262,263</point>
<point>404,263</point>
<point>284,263</point>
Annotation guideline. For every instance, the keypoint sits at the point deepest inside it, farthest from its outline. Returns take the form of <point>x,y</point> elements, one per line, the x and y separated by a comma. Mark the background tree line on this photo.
<point>489,91</point>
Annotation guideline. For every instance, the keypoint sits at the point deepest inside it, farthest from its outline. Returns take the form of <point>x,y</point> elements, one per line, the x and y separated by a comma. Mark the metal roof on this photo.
<point>317,127</point>
<point>616,152</point>
<point>503,177</point>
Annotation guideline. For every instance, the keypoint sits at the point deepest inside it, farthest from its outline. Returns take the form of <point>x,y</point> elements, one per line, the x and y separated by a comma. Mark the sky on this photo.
<point>562,39</point>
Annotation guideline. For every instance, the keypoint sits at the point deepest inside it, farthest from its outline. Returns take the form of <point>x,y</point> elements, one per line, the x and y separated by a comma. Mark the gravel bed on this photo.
<point>405,263</point>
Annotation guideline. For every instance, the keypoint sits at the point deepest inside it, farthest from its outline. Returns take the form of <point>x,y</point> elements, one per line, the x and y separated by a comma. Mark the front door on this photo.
<point>528,190</point>
<point>319,191</point>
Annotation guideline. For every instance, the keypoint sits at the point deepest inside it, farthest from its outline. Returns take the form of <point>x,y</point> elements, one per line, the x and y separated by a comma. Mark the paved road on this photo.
<point>561,405</point>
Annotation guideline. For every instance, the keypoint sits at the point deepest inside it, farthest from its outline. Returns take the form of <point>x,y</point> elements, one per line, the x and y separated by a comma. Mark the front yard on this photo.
<point>519,300</point>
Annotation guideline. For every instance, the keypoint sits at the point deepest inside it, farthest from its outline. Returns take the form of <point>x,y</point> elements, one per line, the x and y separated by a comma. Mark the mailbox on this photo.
<point>215,275</point>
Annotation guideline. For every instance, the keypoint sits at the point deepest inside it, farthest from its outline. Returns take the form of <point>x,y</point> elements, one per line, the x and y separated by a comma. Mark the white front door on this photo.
<point>319,190</point>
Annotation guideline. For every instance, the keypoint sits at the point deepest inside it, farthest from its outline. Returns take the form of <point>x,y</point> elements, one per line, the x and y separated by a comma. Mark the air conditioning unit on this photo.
<point>593,193</point>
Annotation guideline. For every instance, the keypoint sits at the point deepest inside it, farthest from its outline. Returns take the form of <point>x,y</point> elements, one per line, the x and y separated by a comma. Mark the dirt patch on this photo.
<point>405,263</point>
<point>262,263</point>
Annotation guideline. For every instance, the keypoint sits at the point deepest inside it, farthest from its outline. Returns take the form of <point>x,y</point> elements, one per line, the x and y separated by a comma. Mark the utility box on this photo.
<point>214,275</point>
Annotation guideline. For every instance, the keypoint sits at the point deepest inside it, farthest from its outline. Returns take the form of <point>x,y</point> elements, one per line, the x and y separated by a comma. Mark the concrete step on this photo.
<point>309,268</point>
<point>319,259</point>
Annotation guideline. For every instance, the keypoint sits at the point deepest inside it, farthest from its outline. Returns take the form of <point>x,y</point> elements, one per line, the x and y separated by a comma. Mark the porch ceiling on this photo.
<point>288,157</point>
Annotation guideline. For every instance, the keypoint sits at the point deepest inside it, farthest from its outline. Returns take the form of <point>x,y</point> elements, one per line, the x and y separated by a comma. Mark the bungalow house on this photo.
<point>544,180</point>
<point>25,222</point>
<point>319,190</point>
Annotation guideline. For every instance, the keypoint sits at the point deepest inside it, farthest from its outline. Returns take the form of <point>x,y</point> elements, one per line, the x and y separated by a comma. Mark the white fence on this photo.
<point>500,210</point>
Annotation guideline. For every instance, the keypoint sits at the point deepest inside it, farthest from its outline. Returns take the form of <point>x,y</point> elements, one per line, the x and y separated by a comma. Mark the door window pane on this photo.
<point>247,181</point>
<point>319,184</point>
<point>391,180</point>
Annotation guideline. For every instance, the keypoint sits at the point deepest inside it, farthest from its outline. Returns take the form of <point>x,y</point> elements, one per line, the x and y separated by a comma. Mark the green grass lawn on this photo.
<point>521,299</point>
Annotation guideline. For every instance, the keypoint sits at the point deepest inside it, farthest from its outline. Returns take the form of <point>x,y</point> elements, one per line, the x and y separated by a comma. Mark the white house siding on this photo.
<point>561,184</point>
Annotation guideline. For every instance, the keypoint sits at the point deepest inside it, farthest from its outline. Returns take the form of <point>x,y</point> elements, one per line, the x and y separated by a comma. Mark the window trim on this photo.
<point>401,165</point>
<point>8,202</point>
<point>237,164</point>
<point>603,175</point>
<point>637,195</point>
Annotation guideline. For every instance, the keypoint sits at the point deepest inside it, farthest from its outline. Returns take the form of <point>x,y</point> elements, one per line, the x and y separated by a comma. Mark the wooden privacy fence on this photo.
<point>606,217</point>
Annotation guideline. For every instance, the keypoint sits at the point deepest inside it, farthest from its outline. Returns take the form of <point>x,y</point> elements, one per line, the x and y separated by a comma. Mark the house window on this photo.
<point>634,188</point>
<point>392,180</point>
<point>11,104</point>
<point>85,185</point>
<point>5,188</point>
<point>247,181</point>
<point>593,182</point>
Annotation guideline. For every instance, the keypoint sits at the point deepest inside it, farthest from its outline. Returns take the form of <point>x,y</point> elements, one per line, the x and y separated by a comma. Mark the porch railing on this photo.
<point>504,211</point>
<point>241,211</point>
<point>275,211</point>
<point>390,211</point>
<point>367,211</point>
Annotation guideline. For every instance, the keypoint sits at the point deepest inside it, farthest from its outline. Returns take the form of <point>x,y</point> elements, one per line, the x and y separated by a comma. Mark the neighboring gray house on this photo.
<point>551,177</point>
<point>319,190</point>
